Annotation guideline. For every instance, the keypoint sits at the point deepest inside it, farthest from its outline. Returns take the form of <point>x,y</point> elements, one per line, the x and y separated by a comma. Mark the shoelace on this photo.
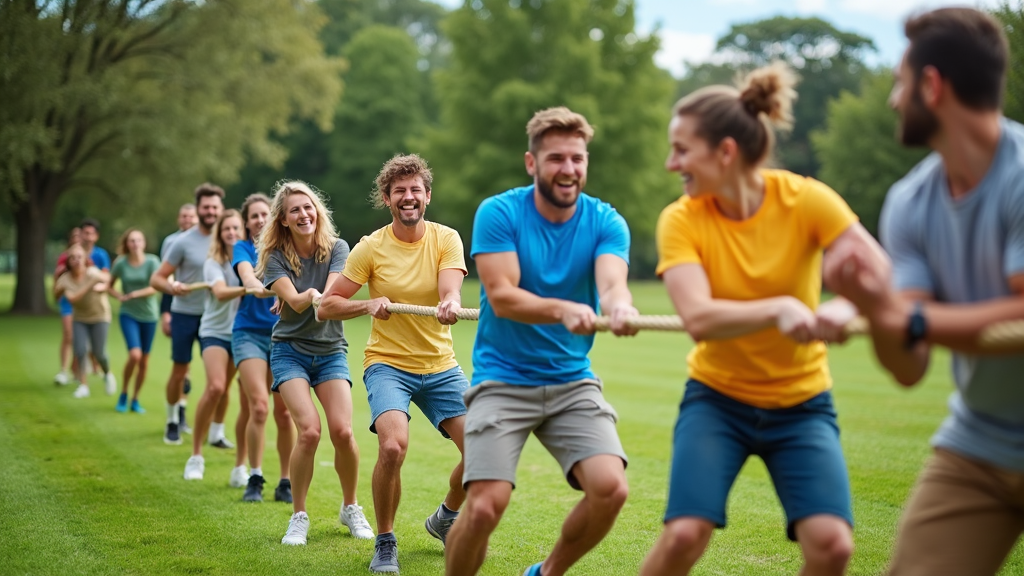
<point>295,526</point>
<point>388,551</point>
<point>358,519</point>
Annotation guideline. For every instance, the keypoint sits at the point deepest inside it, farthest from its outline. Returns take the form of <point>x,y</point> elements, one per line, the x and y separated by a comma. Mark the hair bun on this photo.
<point>770,90</point>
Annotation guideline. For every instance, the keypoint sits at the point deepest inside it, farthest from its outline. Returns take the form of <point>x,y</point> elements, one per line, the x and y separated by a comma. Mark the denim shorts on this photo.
<point>184,331</point>
<point>137,334</point>
<point>438,395</point>
<point>211,341</point>
<point>65,306</point>
<point>287,363</point>
<point>799,445</point>
<point>249,344</point>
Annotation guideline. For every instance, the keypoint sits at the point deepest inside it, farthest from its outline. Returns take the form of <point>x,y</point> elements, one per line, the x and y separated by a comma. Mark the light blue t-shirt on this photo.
<point>965,251</point>
<point>253,313</point>
<point>556,261</point>
<point>100,258</point>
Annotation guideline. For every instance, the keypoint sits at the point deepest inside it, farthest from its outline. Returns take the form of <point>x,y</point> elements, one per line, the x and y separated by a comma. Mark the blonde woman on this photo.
<point>299,256</point>
<point>215,330</point>
<point>140,311</point>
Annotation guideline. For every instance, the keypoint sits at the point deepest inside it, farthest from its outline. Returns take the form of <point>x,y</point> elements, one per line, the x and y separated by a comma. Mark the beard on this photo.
<point>917,124</point>
<point>408,222</point>
<point>548,193</point>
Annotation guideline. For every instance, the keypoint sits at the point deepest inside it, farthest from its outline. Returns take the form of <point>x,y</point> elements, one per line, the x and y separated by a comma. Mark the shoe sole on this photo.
<point>285,500</point>
<point>190,478</point>
<point>431,531</point>
<point>170,442</point>
<point>383,571</point>
<point>293,543</point>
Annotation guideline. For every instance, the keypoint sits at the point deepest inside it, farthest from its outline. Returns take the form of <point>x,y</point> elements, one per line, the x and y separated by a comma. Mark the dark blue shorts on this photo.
<point>184,332</point>
<point>799,445</point>
<point>210,341</point>
<point>287,363</point>
<point>438,395</point>
<point>137,334</point>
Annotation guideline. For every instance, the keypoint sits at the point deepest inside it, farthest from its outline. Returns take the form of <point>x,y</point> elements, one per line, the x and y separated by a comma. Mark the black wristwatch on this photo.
<point>917,326</point>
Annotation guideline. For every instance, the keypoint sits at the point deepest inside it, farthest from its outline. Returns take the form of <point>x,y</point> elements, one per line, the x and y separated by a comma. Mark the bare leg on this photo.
<point>827,544</point>
<point>681,544</point>
<point>455,427</point>
<point>336,398</point>
<point>285,432</point>
<point>393,437</point>
<point>222,406</point>
<point>466,546</point>
<point>65,342</point>
<point>254,372</point>
<point>134,358</point>
<point>296,394</point>
<point>219,371</point>
<point>176,382</point>
<point>241,423</point>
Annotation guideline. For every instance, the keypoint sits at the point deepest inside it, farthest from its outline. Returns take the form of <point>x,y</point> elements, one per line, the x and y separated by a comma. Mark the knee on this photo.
<point>258,411</point>
<point>281,414</point>
<point>143,361</point>
<point>482,513</point>
<point>611,496</point>
<point>685,537</point>
<point>134,356</point>
<point>342,436</point>
<point>832,547</point>
<point>309,436</point>
<point>392,452</point>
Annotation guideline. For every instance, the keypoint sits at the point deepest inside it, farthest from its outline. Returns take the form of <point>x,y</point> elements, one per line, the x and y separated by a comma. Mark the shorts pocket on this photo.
<point>477,423</point>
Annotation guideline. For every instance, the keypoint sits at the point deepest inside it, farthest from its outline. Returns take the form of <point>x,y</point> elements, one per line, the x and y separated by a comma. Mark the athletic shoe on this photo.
<point>61,379</point>
<point>283,492</point>
<point>222,443</point>
<point>122,403</point>
<point>239,476</point>
<point>385,555</point>
<point>171,436</point>
<point>82,391</point>
<point>182,423</point>
<point>111,383</point>
<point>438,526</point>
<point>254,490</point>
<point>298,527</point>
<point>534,570</point>
<point>186,387</point>
<point>353,517</point>
<point>136,408</point>
<point>194,468</point>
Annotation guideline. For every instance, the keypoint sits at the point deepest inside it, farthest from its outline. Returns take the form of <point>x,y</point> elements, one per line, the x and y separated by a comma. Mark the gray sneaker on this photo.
<point>438,526</point>
<point>385,555</point>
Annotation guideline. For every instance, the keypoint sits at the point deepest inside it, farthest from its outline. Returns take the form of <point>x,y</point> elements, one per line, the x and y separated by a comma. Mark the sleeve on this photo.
<point>243,252</point>
<point>277,268</point>
<point>175,254</point>
<point>212,272</point>
<point>102,259</point>
<point>154,265</point>
<point>1013,255</point>
<point>452,253</point>
<point>117,269</point>
<point>493,228</point>
<point>675,239</point>
<point>826,213</point>
<point>62,282</point>
<point>359,265</point>
<point>613,235</point>
<point>339,254</point>
<point>900,238</point>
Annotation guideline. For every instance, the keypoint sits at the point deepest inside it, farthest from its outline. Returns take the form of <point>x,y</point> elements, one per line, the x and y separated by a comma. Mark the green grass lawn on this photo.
<point>84,490</point>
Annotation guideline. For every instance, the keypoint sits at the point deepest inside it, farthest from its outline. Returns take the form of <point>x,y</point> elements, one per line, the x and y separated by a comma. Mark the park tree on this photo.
<point>512,58</point>
<point>141,100</point>
<point>860,155</point>
<point>1013,22</point>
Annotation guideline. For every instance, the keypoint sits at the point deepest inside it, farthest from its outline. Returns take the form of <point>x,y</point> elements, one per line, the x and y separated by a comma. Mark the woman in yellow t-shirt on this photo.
<point>741,254</point>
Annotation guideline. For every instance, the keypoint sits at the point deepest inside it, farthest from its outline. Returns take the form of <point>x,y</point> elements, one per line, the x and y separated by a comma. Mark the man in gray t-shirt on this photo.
<point>954,228</point>
<point>185,259</point>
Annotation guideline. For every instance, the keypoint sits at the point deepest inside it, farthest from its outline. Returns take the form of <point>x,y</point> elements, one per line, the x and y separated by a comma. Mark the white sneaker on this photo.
<point>110,382</point>
<point>353,517</point>
<point>61,379</point>
<point>194,468</point>
<point>82,391</point>
<point>239,476</point>
<point>298,527</point>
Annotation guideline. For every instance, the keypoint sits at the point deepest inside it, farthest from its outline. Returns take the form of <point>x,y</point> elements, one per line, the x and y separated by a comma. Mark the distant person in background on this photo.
<point>74,237</point>
<point>187,218</point>
<point>139,310</point>
<point>98,257</point>
<point>85,287</point>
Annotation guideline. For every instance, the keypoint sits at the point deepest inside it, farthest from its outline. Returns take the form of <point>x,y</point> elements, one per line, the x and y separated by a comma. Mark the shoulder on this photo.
<point>682,211</point>
<point>119,261</point>
<point>375,238</point>
<point>441,231</point>
<point>917,184</point>
<point>340,247</point>
<point>508,201</point>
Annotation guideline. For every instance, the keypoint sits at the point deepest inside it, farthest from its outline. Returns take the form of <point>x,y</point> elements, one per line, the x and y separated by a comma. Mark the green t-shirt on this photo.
<point>136,278</point>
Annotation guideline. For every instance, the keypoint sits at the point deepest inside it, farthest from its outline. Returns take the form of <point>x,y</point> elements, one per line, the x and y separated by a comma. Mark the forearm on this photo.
<point>724,319</point>
<point>959,326</point>
<point>514,303</point>
<point>296,301</point>
<point>74,296</point>
<point>889,336</point>
<point>161,284</point>
<point>452,296</point>
<point>225,293</point>
<point>334,307</point>
<point>616,297</point>
<point>142,293</point>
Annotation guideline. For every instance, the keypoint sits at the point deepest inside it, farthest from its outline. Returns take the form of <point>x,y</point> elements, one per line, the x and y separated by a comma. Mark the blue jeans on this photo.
<point>438,395</point>
<point>249,344</point>
<point>137,334</point>
<point>287,363</point>
<point>800,446</point>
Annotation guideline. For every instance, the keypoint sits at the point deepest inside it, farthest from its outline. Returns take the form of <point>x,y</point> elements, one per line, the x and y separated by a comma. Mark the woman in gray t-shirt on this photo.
<point>215,331</point>
<point>299,256</point>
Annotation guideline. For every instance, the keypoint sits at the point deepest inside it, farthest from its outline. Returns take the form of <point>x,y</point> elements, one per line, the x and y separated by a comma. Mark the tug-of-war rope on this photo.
<point>1008,334</point>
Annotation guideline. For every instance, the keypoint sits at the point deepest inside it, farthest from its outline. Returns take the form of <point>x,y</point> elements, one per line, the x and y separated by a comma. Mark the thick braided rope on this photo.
<point>464,314</point>
<point>1008,334</point>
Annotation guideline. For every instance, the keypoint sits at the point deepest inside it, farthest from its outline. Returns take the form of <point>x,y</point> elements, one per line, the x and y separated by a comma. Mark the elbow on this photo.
<point>906,379</point>
<point>695,327</point>
<point>502,307</point>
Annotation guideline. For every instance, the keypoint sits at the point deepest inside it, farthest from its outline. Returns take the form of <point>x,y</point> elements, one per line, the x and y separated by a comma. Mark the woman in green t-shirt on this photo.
<point>140,311</point>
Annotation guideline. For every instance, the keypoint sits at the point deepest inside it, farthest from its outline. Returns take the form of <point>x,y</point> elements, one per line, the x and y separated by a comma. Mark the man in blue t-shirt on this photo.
<point>548,255</point>
<point>89,235</point>
<point>954,227</point>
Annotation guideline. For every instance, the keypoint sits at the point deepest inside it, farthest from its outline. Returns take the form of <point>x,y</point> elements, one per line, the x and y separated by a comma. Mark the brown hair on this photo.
<point>206,189</point>
<point>560,120</point>
<point>218,249</point>
<point>276,236</point>
<point>399,167</point>
<point>249,201</point>
<point>122,242</point>
<point>968,47</point>
<point>747,114</point>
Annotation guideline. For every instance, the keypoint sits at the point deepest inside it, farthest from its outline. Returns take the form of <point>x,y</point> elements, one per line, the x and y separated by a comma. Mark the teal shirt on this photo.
<point>136,278</point>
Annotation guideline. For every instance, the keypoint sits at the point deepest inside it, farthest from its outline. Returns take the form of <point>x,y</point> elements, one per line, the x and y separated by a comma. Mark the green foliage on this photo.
<point>860,156</point>
<point>1013,22</point>
<point>510,59</point>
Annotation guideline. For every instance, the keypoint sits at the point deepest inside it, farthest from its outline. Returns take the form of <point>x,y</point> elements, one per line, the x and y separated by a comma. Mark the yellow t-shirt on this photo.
<point>776,252</point>
<point>407,273</point>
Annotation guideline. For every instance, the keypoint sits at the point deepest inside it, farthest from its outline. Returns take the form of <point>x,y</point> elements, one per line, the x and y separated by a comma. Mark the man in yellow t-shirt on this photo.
<point>408,358</point>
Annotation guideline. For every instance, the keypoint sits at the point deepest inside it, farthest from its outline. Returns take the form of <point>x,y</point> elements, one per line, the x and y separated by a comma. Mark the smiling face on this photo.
<point>89,235</point>
<point>187,217</point>
<point>693,158</point>
<point>76,259</point>
<point>258,214</point>
<point>559,168</point>
<point>300,214</point>
<point>209,209</point>
<point>230,230</point>
<point>408,200</point>
<point>136,242</point>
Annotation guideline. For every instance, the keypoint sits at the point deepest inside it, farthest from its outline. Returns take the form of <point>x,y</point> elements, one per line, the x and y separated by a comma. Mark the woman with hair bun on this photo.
<point>741,254</point>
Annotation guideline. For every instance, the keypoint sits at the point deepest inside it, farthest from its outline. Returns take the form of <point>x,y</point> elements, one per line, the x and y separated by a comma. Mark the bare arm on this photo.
<point>222,292</point>
<point>160,280</point>
<point>247,275</point>
<point>94,279</point>
<point>338,305</point>
<point>141,293</point>
<point>611,273</point>
<point>286,292</point>
<point>449,290</point>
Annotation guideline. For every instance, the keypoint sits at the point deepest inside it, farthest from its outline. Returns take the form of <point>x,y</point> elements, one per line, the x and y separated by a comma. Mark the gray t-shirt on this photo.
<point>168,242</point>
<point>219,317</point>
<point>964,251</point>
<point>188,254</point>
<point>302,331</point>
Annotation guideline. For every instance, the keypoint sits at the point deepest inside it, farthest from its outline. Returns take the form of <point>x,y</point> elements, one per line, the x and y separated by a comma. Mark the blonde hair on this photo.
<point>749,114</point>
<point>122,242</point>
<point>275,235</point>
<point>559,119</point>
<point>218,249</point>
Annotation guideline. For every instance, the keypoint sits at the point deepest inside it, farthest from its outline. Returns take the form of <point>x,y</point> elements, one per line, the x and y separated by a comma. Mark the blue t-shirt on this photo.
<point>100,258</point>
<point>253,313</point>
<point>556,261</point>
<point>963,251</point>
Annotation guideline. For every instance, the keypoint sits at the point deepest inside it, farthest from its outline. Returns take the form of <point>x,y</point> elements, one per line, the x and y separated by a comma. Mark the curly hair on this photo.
<point>400,166</point>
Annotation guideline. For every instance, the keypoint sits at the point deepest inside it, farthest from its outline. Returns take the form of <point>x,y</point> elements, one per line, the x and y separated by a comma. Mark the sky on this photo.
<point>689,28</point>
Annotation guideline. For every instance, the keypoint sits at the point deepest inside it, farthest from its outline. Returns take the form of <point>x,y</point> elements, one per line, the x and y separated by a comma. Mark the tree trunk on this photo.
<point>32,220</point>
